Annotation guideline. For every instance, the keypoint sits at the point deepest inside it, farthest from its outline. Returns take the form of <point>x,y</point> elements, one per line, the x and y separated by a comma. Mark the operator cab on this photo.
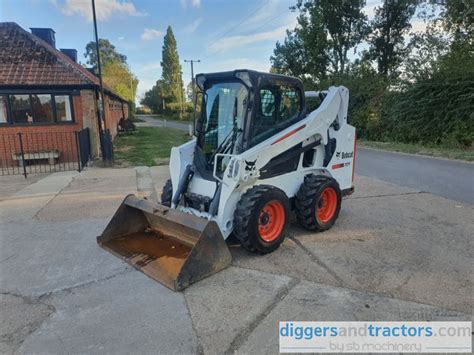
<point>240,109</point>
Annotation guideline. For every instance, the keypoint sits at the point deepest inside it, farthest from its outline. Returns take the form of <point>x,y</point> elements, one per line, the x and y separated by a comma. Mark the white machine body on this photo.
<point>243,171</point>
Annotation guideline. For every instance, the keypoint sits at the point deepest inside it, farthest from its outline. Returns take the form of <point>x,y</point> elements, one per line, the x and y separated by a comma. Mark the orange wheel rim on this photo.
<point>327,205</point>
<point>271,221</point>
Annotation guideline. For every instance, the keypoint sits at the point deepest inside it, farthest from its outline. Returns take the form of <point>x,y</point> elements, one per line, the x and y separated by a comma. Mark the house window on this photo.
<point>3,109</point>
<point>36,109</point>
<point>63,108</point>
<point>42,108</point>
<point>21,108</point>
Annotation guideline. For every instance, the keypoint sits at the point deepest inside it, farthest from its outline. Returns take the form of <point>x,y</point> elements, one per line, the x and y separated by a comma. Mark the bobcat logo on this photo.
<point>250,165</point>
<point>344,155</point>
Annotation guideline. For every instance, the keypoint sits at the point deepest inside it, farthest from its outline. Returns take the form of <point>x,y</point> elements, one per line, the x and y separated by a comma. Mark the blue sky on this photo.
<point>224,34</point>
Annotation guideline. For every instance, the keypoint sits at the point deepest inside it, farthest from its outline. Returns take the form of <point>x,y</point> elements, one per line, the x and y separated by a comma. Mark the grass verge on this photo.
<point>148,146</point>
<point>433,151</point>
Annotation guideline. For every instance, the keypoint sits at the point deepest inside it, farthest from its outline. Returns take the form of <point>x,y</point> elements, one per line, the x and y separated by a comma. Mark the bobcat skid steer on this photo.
<point>258,154</point>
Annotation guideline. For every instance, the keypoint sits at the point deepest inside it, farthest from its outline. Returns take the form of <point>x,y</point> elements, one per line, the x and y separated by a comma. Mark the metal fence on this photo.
<point>43,152</point>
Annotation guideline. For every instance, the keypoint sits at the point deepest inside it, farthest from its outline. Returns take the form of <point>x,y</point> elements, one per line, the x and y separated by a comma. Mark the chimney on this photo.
<point>70,52</point>
<point>46,34</point>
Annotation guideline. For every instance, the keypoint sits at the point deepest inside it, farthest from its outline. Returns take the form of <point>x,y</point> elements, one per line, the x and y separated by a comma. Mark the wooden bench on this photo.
<point>49,155</point>
<point>126,126</point>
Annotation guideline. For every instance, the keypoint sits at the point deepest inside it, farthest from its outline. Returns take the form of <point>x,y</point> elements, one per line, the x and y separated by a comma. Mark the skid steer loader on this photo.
<point>258,153</point>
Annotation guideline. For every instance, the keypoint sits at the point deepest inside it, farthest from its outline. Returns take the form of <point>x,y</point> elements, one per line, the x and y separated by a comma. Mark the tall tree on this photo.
<point>326,31</point>
<point>171,73</point>
<point>389,26</point>
<point>119,77</point>
<point>108,53</point>
<point>458,19</point>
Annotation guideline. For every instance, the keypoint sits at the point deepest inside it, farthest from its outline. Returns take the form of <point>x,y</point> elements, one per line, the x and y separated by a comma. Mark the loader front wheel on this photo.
<point>167,193</point>
<point>260,219</point>
<point>318,202</point>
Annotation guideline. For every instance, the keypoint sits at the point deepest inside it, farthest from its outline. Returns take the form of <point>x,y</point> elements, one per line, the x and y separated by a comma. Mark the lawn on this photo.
<point>148,146</point>
<point>434,151</point>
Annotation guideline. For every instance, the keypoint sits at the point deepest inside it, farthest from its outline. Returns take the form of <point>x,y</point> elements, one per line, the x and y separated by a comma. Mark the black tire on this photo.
<point>310,197</point>
<point>167,193</point>
<point>250,217</point>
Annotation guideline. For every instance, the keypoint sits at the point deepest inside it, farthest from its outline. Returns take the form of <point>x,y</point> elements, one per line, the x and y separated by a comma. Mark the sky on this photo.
<point>223,34</point>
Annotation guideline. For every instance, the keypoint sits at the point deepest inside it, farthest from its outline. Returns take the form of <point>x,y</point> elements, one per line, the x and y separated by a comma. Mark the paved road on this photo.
<point>150,121</point>
<point>447,178</point>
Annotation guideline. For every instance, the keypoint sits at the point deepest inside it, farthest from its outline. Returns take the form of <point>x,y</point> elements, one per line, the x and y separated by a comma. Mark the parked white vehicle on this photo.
<point>257,155</point>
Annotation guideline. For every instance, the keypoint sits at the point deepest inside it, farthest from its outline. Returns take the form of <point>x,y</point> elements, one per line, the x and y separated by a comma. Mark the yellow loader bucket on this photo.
<point>171,247</point>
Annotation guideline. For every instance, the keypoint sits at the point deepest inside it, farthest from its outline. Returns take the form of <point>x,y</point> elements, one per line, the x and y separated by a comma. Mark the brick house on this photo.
<point>43,89</point>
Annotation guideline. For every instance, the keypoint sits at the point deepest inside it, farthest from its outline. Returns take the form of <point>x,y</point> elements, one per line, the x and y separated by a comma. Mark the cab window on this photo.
<point>278,107</point>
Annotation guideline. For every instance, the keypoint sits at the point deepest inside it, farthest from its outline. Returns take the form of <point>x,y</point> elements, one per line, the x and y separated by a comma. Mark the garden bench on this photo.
<point>43,155</point>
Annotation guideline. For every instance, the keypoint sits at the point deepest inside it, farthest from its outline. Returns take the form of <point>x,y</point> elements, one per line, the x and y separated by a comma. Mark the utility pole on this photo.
<point>192,61</point>
<point>106,146</point>
<point>99,68</point>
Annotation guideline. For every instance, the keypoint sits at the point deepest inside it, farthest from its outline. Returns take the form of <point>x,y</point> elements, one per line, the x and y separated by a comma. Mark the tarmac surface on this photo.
<point>452,179</point>
<point>155,122</point>
<point>396,253</point>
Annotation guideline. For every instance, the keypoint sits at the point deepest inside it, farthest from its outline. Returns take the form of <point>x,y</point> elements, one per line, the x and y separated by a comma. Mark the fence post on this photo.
<point>79,161</point>
<point>23,163</point>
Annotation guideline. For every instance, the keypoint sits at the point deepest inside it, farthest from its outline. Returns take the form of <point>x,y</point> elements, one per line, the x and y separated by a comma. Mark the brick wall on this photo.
<point>47,137</point>
<point>89,119</point>
<point>61,137</point>
<point>115,110</point>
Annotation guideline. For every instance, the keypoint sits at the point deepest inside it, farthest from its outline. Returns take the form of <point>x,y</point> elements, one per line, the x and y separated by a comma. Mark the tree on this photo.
<point>171,73</point>
<point>326,31</point>
<point>108,53</point>
<point>458,19</point>
<point>120,79</point>
<point>389,26</point>
<point>155,98</point>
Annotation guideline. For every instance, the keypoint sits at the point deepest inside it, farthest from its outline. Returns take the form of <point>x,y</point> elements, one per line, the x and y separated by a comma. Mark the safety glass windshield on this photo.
<point>224,106</point>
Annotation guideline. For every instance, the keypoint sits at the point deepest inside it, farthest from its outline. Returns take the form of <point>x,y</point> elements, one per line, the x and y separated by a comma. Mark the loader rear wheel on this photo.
<point>167,193</point>
<point>260,219</point>
<point>318,202</point>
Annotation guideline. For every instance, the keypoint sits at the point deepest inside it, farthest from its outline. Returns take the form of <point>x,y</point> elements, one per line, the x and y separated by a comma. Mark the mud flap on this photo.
<point>172,247</point>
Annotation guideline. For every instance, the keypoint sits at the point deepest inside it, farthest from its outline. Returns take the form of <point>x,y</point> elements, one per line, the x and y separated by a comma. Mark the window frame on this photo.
<point>279,126</point>
<point>53,108</point>
<point>10,120</point>
<point>71,104</point>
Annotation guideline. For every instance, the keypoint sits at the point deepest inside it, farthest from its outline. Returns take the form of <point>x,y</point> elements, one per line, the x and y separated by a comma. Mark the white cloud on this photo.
<point>105,9</point>
<point>192,3</point>
<point>192,27</point>
<point>121,38</point>
<point>242,40</point>
<point>150,34</point>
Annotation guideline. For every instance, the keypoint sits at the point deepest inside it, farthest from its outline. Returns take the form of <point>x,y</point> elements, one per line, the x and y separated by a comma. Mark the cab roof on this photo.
<point>251,78</point>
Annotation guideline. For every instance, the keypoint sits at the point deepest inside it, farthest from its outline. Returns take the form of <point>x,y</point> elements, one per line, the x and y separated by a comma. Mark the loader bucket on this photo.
<point>169,246</point>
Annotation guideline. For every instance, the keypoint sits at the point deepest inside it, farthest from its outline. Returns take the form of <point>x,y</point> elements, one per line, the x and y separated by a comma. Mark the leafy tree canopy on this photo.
<point>108,53</point>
